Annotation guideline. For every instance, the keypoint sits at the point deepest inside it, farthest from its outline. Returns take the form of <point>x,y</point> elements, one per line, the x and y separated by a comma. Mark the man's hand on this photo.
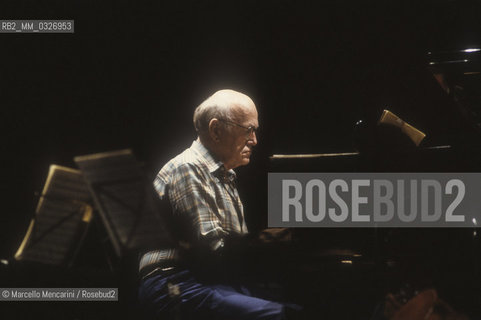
<point>275,235</point>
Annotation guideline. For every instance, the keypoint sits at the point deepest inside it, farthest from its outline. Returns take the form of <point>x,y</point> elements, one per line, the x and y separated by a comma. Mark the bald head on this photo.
<point>226,123</point>
<point>224,104</point>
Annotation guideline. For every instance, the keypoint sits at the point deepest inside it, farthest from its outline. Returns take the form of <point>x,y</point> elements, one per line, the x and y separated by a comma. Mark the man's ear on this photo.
<point>214,130</point>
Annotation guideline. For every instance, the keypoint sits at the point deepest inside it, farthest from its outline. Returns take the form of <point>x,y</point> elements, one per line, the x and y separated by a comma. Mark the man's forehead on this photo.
<point>244,112</point>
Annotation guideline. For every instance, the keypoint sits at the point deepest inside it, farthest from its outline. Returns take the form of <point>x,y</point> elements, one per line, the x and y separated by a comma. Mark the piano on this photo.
<point>341,273</point>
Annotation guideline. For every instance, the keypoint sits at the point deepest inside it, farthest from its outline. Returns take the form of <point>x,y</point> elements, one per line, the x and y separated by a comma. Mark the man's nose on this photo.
<point>252,139</point>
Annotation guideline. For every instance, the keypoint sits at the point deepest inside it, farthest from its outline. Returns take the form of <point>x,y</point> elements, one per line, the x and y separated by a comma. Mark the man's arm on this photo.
<point>194,204</point>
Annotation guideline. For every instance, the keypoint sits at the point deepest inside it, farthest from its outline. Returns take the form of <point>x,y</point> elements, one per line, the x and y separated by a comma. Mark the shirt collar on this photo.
<point>213,165</point>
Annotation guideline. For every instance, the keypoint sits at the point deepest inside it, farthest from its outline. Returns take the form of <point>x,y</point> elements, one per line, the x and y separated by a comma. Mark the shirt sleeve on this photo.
<point>192,197</point>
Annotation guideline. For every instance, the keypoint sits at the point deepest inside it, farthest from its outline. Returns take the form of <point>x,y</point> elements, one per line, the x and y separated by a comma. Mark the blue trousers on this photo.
<point>192,299</point>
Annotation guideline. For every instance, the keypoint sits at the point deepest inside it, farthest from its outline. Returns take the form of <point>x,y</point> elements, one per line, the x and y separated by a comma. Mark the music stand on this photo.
<point>63,214</point>
<point>125,200</point>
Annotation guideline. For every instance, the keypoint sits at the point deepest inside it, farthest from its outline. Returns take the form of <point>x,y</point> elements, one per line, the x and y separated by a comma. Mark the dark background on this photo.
<point>133,72</point>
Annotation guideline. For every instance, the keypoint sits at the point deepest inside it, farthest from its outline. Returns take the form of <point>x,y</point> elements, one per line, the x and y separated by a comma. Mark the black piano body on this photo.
<point>347,270</point>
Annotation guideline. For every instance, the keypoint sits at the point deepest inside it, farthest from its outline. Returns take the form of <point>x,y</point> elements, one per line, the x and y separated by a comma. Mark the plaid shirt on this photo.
<point>201,191</point>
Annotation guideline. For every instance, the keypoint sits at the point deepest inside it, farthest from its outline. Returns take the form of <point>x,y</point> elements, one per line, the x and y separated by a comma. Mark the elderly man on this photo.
<point>200,186</point>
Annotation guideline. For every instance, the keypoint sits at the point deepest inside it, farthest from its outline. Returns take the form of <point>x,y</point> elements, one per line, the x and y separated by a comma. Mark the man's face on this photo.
<point>236,143</point>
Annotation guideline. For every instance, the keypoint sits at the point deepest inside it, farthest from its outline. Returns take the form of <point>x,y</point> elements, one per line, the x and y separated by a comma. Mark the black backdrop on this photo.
<point>132,73</point>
